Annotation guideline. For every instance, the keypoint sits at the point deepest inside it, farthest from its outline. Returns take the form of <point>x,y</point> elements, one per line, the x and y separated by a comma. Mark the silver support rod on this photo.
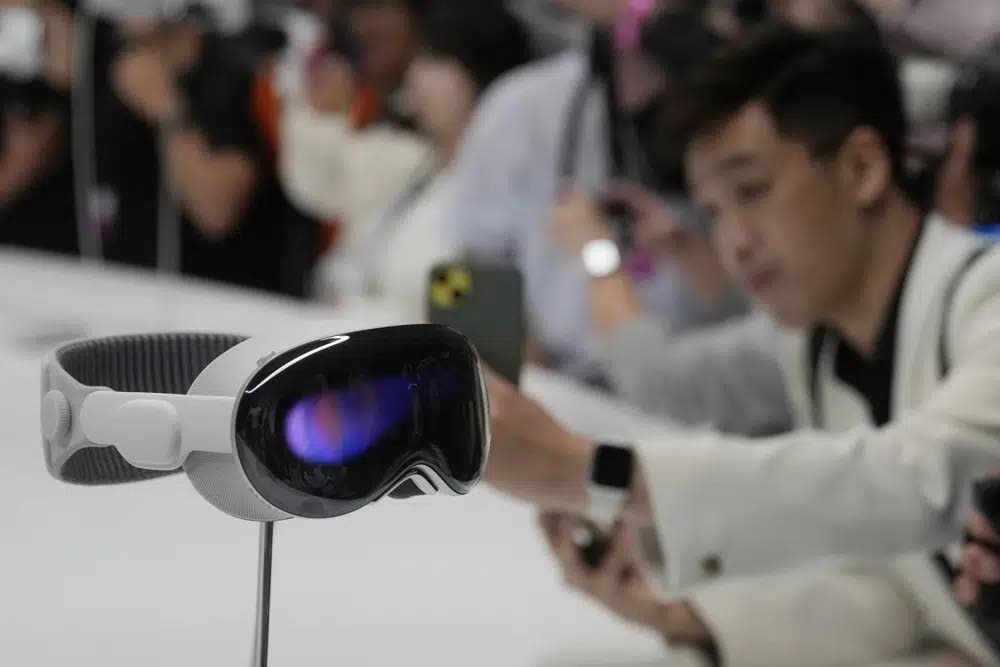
<point>263,625</point>
<point>84,141</point>
<point>168,217</point>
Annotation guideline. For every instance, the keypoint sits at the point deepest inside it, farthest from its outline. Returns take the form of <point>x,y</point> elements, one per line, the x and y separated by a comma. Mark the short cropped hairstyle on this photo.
<point>817,87</point>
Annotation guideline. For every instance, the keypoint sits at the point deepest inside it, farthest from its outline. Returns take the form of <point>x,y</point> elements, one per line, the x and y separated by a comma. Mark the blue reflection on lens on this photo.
<point>337,427</point>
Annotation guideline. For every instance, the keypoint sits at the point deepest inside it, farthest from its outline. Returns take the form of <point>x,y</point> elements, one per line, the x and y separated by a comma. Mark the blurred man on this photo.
<point>467,46</point>
<point>346,151</point>
<point>578,119</point>
<point>875,349</point>
<point>175,123</point>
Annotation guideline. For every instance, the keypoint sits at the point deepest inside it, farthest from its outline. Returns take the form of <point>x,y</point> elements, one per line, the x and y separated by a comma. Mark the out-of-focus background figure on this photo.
<point>320,157</point>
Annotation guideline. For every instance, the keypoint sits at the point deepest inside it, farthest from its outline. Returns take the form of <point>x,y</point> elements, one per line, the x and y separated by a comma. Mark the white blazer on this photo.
<point>727,506</point>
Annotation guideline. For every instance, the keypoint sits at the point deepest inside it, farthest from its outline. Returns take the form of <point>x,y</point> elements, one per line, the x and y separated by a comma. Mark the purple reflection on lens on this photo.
<point>337,427</point>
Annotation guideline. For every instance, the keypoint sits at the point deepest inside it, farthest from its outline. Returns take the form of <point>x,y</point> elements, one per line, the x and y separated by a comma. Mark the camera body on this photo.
<point>621,221</point>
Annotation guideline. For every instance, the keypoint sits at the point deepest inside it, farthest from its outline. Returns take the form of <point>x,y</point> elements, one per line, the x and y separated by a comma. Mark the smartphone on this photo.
<point>592,542</point>
<point>22,41</point>
<point>485,303</point>
<point>621,221</point>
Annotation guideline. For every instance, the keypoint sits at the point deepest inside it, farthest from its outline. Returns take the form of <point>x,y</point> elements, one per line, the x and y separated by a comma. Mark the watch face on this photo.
<point>612,467</point>
<point>601,258</point>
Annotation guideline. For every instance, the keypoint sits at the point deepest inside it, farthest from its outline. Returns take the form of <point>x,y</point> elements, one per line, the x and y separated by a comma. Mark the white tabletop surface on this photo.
<point>151,575</point>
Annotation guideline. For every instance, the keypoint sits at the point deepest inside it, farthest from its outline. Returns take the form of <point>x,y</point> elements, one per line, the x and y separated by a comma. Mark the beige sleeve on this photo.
<point>860,614</point>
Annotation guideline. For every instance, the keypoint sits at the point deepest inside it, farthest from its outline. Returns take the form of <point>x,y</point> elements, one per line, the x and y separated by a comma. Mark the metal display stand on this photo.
<point>263,625</point>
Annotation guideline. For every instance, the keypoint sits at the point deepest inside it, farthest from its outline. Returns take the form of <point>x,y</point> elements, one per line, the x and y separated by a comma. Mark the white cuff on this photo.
<point>824,617</point>
<point>692,534</point>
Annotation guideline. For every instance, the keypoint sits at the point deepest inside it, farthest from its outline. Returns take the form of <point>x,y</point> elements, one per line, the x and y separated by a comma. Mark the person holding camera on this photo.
<point>578,122</point>
<point>185,179</point>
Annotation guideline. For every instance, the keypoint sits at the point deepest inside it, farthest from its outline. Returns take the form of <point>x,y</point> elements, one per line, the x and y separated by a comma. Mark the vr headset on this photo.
<point>313,424</point>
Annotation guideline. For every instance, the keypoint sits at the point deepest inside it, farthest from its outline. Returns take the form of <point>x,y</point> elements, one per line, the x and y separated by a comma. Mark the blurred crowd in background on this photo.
<point>339,149</point>
<point>335,148</point>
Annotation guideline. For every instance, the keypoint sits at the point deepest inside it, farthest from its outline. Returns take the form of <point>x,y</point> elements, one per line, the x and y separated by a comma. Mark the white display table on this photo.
<point>150,575</point>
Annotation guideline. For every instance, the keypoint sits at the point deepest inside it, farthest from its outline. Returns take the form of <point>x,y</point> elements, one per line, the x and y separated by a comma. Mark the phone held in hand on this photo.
<point>592,542</point>
<point>619,217</point>
<point>484,302</point>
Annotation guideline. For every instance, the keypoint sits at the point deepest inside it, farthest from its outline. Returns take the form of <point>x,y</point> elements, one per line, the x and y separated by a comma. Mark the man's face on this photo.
<point>785,226</point>
<point>442,94</point>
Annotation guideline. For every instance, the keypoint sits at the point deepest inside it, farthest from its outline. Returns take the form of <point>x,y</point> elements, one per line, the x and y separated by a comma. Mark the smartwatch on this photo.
<point>601,258</point>
<point>609,483</point>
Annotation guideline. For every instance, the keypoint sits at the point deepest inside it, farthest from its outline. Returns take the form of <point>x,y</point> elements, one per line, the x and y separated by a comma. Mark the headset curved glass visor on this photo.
<point>304,424</point>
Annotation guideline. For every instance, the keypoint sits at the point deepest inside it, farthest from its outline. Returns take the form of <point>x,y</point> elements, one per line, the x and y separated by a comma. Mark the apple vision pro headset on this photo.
<point>311,423</point>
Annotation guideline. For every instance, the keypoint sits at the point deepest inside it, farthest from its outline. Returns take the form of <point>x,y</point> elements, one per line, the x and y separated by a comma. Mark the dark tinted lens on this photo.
<point>328,427</point>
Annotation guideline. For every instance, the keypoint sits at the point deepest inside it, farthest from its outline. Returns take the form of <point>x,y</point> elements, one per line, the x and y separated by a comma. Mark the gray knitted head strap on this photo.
<point>156,363</point>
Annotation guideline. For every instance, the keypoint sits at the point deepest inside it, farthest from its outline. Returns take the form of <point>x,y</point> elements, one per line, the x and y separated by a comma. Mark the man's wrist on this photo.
<point>566,471</point>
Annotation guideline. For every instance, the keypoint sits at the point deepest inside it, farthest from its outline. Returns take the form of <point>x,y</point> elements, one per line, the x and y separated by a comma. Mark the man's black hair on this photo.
<point>817,87</point>
<point>680,41</point>
<point>483,35</point>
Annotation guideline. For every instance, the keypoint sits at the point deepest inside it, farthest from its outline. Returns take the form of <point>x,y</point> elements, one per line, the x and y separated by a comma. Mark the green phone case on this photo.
<point>485,303</point>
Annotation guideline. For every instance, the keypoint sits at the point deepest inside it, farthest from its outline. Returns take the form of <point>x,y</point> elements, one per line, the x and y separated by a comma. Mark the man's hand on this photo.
<point>618,584</point>
<point>144,81</point>
<point>532,457</point>
<point>576,220</point>
<point>656,226</point>
<point>980,564</point>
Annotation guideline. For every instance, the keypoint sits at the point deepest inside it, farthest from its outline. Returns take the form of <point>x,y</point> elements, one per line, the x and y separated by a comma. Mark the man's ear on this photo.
<point>864,167</point>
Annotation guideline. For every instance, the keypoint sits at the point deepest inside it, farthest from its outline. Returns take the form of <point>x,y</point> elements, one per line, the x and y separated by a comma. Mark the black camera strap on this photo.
<point>599,72</point>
